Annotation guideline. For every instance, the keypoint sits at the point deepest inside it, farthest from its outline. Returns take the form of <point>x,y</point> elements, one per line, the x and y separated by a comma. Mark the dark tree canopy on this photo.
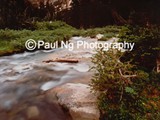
<point>84,13</point>
<point>11,12</point>
<point>103,12</point>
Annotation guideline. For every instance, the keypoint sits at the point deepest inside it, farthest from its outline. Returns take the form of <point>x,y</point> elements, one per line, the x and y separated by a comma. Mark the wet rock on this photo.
<point>78,99</point>
<point>49,85</point>
<point>35,108</point>
<point>32,112</point>
<point>99,36</point>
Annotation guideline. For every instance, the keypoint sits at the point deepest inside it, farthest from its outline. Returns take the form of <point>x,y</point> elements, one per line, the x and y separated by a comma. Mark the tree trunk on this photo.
<point>117,18</point>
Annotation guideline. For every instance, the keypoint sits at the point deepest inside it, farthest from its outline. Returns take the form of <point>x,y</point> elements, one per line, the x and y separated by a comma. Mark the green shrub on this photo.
<point>50,25</point>
<point>14,40</point>
<point>119,87</point>
<point>147,46</point>
<point>155,79</point>
<point>9,35</point>
<point>155,116</point>
<point>108,32</point>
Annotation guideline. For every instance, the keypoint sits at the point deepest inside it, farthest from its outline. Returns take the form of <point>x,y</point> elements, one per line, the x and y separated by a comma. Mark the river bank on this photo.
<point>13,41</point>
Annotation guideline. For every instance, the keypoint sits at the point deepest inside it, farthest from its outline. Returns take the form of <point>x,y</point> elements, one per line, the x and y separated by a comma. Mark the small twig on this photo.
<point>62,60</point>
<point>121,95</point>
<point>126,76</point>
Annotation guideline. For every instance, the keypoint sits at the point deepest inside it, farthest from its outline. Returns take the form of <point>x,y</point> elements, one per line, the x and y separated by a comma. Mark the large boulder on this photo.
<point>78,100</point>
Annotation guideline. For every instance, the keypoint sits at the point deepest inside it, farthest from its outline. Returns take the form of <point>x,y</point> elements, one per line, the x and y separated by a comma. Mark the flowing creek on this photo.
<point>25,77</point>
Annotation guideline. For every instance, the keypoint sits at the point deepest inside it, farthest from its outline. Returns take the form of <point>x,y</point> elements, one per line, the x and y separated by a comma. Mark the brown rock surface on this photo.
<point>78,100</point>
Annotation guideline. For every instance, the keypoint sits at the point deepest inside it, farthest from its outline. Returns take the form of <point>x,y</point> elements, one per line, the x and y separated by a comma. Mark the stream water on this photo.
<point>25,76</point>
<point>24,79</point>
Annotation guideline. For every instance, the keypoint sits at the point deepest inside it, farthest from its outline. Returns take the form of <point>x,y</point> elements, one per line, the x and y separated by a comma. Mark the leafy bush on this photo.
<point>119,87</point>
<point>9,35</point>
<point>14,40</point>
<point>155,79</point>
<point>147,46</point>
<point>50,25</point>
<point>108,32</point>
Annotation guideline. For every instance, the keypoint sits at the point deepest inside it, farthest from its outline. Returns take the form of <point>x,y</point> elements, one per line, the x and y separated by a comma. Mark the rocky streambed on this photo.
<point>31,89</point>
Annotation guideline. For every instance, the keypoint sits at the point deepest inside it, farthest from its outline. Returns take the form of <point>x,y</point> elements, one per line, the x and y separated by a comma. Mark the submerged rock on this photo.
<point>32,112</point>
<point>99,36</point>
<point>78,100</point>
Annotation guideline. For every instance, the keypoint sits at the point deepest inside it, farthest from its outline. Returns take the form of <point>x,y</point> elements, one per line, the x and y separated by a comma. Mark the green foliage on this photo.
<point>51,25</point>
<point>147,46</point>
<point>108,32</point>
<point>12,41</point>
<point>119,87</point>
<point>155,116</point>
<point>155,79</point>
<point>9,35</point>
<point>130,90</point>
